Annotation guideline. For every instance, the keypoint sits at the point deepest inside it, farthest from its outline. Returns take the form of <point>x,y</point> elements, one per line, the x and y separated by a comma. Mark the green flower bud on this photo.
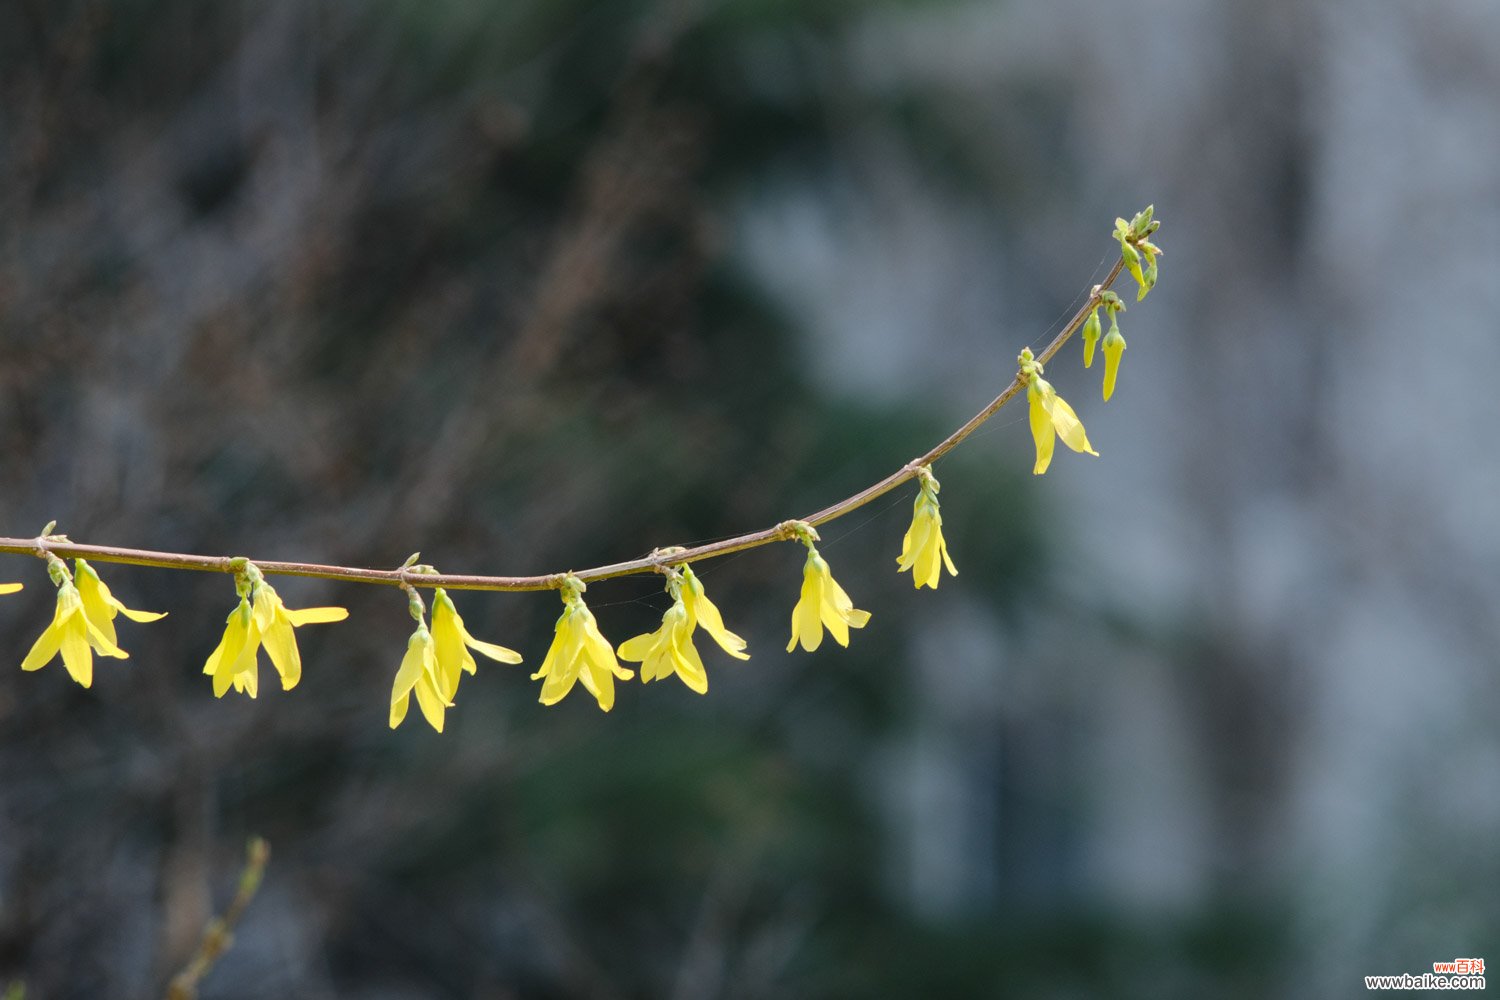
<point>1114,346</point>
<point>1142,221</point>
<point>1132,263</point>
<point>1090,337</point>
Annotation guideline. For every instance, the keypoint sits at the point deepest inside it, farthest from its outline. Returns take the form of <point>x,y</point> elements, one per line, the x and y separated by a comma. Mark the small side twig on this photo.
<point>218,936</point>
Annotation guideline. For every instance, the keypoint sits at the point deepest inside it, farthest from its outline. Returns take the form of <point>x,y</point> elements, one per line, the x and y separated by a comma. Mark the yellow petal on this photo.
<point>101,642</point>
<point>76,654</point>
<point>235,627</point>
<point>689,665</point>
<point>407,676</point>
<point>927,571</point>
<point>706,614</point>
<point>431,704</point>
<point>834,621</point>
<point>44,649</point>
<point>448,645</point>
<point>554,652</point>
<point>97,600</point>
<point>314,616</point>
<point>281,646</point>
<point>10,588</point>
<point>637,649</point>
<point>834,595</point>
<point>807,626</point>
<point>248,681</point>
<point>916,545</point>
<point>562,678</point>
<point>560,668</point>
<point>1041,425</point>
<point>1069,428</point>
<point>601,651</point>
<point>500,654</point>
<point>101,606</point>
<point>410,670</point>
<point>265,604</point>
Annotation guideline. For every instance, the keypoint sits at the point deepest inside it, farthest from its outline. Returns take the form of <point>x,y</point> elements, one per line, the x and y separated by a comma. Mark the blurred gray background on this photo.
<point>539,285</point>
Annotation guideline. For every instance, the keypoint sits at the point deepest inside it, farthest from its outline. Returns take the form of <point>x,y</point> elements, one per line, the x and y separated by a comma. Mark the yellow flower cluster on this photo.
<point>436,660</point>
<point>261,620</point>
<point>579,652</point>
<point>670,650</point>
<point>438,656</point>
<point>82,624</point>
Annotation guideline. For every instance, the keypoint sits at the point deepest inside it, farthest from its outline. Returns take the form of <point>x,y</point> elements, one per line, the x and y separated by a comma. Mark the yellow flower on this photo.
<point>1114,346</point>
<point>452,642</point>
<point>702,611</point>
<point>261,620</point>
<point>72,634</point>
<point>275,621</point>
<point>10,588</point>
<point>1049,415</point>
<point>101,606</point>
<point>823,604</point>
<point>923,547</point>
<point>579,652</point>
<point>670,648</point>
<point>419,672</point>
<point>232,663</point>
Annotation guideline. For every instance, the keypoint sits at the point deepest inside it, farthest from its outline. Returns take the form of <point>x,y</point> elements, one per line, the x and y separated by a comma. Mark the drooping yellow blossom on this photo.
<point>232,663</point>
<point>579,652</point>
<point>101,606</point>
<point>1050,415</point>
<point>419,671</point>
<point>451,645</point>
<point>261,620</point>
<point>10,588</point>
<point>1114,346</point>
<point>923,550</point>
<point>670,648</point>
<point>704,612</point>
<point>72,634</point>
<point>823,603</point>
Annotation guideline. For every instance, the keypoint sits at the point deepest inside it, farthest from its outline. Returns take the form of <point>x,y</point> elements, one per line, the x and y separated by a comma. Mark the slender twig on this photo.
<point>218,936</point>
<point>43,546</point>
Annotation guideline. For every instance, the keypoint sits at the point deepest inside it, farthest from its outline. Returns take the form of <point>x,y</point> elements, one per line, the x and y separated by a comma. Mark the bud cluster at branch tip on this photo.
<point>1136,249</point>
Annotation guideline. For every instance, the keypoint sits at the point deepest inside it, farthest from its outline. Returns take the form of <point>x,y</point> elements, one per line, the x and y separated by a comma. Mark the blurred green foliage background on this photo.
<point>336,281</point>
